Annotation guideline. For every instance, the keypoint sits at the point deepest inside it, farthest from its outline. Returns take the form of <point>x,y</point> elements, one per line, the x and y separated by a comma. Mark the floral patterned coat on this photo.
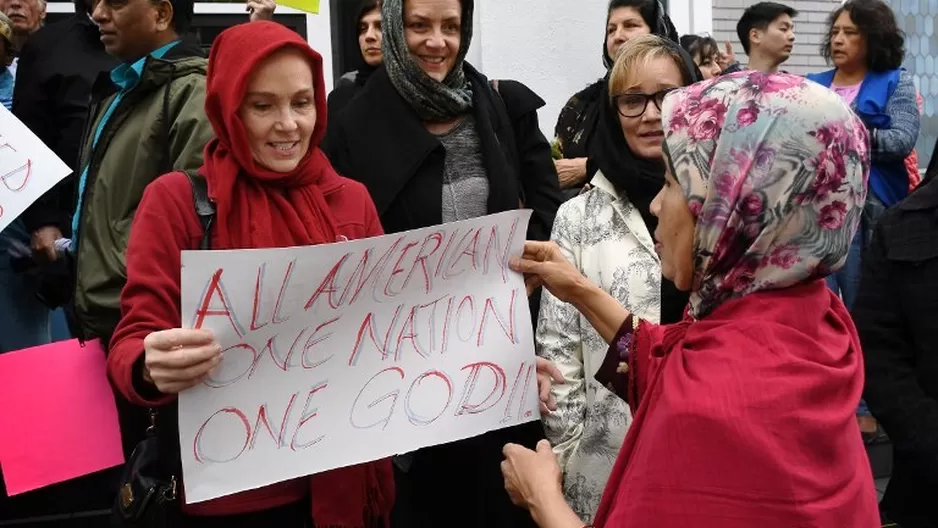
<point>603,235</point>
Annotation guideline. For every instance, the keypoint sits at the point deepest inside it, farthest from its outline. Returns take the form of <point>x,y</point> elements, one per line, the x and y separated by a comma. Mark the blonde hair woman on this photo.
<point>603,233</point>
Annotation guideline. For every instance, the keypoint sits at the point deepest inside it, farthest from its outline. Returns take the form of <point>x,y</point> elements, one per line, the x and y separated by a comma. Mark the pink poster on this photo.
<point>58,418</point>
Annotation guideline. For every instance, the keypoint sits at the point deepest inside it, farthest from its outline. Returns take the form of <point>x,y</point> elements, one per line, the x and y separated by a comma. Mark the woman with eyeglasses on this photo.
<point>606,234</point>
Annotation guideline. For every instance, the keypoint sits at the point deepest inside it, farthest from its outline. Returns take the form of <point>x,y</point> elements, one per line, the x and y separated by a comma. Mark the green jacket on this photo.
<point>158,127</point>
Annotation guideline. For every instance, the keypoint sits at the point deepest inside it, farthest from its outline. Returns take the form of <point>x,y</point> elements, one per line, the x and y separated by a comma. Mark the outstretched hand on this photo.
<point>727,57</point>
<point>261,9</point>
<point>543,264</point>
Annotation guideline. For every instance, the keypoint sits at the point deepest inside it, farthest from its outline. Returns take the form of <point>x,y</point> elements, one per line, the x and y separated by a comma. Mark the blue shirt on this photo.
<point>125,76</point>
<point>7,77</point>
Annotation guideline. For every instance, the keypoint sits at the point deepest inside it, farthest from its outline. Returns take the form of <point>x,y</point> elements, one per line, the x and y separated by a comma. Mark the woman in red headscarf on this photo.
<point>272,187</point>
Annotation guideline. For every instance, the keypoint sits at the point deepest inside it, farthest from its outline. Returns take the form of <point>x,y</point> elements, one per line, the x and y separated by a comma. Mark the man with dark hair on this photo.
<point>146,119</point>
<point>766,31</point>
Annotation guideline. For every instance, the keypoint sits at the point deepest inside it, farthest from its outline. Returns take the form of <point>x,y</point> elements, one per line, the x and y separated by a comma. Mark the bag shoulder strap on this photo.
<point>203,207</point>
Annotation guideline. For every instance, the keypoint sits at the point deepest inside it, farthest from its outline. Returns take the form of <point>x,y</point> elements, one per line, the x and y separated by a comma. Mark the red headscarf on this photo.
<point>259,208</point>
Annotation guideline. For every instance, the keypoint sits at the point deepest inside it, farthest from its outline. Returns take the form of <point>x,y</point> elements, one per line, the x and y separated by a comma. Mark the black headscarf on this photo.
<point>638,179</point>
<point>365,71</point>
<point>577,122</point>
<point>654,15</point>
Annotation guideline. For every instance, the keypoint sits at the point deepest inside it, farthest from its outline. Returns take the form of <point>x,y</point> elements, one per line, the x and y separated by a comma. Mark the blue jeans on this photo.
<point>24,321</point>
<point>846,281</point>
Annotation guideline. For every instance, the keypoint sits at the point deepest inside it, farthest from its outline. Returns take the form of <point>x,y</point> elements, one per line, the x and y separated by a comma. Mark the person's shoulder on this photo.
<point>587,94</point>
<point>51,34</point>
<point>576,206</point>
<point>348,78</point>
<point>185,60</point>
<point>350,203</point>
<point>171,191</point>
<point>518,95</point>
<point>375,92</point>
<point>346,192</point>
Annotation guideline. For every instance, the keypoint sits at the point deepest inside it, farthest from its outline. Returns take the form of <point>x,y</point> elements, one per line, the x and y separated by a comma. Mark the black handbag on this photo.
<point>147,497</point>
<point>149,489</point>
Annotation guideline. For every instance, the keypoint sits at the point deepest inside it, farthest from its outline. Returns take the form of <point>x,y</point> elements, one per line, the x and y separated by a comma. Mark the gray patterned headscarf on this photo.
<point>432,100</point>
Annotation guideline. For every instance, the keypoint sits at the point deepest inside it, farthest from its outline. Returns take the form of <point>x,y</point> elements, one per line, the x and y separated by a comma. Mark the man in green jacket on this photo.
<point>146,119</point>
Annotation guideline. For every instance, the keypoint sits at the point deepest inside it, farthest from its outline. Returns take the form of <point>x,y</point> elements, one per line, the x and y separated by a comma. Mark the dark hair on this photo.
<point>759,16</point>
<point>697,45</point>
<point>182,14</point>
<point>645,8</point>
<point>82,6</point>
<point>885,42</point>
<point>366,7</point>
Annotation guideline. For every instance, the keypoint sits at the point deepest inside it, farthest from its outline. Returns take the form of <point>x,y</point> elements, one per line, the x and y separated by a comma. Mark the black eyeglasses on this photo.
<point>635,104</point>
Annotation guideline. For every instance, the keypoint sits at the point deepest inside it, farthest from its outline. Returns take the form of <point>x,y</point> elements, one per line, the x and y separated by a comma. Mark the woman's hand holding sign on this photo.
<point>544,264</point>
<point>178,359</point>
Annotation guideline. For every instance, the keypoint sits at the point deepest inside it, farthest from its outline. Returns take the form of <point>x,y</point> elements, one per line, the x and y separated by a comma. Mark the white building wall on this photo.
<point>552,46</point>
<point>555,46</point>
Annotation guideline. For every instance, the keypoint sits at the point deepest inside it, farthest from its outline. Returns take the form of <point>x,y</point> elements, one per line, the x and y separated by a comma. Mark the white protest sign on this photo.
<point>28,168</point>
<point>346,353</point>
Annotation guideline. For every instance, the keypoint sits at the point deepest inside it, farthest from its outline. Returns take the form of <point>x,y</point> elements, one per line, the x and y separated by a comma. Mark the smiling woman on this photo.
<point>435,142</point>
<point>272,187</point>
<point>279,111</point>
<point>432,29</point>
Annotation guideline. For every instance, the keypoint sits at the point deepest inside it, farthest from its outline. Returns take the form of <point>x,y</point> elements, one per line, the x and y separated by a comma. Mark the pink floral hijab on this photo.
<point>775,169</point>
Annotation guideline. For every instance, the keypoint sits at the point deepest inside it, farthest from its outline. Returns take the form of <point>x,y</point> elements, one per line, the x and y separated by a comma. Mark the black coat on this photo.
<point>380,141</point>
<point>896,314</point>
<point>57,67</point>
<point>345,90</point>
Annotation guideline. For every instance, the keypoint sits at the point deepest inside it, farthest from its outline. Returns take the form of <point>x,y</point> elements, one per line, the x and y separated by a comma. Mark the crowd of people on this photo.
<point>732,270</point>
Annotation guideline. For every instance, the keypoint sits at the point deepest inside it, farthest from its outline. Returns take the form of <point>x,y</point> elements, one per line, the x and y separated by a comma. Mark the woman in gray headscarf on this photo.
<point>435,141</point>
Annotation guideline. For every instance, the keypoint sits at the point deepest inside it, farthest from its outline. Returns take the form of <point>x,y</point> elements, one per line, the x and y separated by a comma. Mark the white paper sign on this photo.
<point>28,168</point>
<point>346,353</point>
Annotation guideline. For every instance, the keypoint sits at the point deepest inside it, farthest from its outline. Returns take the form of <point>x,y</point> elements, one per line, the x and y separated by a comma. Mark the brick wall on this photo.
<point>810,26</point>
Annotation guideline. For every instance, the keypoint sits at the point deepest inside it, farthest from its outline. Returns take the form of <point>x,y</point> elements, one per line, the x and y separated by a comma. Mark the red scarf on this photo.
<point>258,208</point>
<point>746,418</point>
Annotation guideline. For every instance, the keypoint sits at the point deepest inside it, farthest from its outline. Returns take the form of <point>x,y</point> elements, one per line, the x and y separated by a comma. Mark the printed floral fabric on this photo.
<point>604,236</point>
<point>775,205</point>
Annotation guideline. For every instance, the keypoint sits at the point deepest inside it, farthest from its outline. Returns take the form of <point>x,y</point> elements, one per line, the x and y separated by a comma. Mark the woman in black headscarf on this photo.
<point>434,141</point>
<point>576,125</point>
<point>368,26</point>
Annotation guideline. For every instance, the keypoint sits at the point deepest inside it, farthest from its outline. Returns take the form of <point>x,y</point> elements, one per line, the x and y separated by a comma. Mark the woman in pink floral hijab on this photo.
<point>774,171</point>
<point>744,411</point>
